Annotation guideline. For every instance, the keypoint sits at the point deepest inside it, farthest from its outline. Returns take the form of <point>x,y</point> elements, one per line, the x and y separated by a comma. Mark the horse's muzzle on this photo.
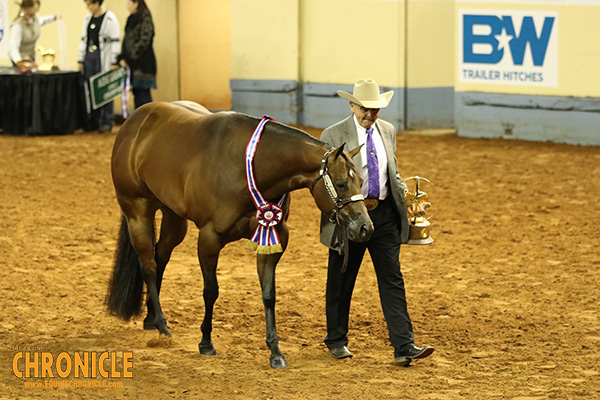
<point>362,233</point>
<point>365,233</point>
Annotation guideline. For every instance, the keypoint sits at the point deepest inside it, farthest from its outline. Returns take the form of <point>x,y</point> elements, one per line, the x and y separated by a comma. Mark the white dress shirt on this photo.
<point>381,160</point>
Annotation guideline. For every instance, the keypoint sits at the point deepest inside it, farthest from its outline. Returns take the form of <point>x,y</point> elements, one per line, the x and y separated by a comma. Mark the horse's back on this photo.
<point>166,127</point>
<point>180,120</point>
<point>171,153</point>
<point>192,106</point>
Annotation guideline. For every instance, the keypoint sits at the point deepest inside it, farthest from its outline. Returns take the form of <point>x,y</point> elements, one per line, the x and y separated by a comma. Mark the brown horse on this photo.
<point>190,164</point>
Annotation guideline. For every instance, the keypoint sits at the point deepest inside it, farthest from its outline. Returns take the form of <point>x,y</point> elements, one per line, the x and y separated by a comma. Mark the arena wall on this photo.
<point>205,52</point>
<point>419,51</point>
<point>558,99</point>
<point>264,45</point>
<point>339,45</point>
<point>335,45</point>
<point>430,64</point>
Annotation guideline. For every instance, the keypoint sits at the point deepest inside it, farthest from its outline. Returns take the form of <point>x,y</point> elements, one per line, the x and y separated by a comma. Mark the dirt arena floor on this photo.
<point>508,294</point>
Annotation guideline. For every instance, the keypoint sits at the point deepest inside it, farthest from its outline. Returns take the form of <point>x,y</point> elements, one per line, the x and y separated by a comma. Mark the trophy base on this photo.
<point>419,232</point>
<point>417,242</point>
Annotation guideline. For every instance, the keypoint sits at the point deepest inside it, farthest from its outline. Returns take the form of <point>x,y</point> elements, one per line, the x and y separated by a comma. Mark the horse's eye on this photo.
<point>341,185</point>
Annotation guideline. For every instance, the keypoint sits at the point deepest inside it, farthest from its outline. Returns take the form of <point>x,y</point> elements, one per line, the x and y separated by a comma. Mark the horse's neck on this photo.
<point>284,163</point>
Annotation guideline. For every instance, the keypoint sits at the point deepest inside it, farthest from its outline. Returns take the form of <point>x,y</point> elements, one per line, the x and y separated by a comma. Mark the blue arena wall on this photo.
<point>318,105</point>
<point>539,118</point>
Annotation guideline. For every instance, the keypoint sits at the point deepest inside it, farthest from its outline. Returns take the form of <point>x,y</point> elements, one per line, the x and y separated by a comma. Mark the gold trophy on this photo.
<point>419,226</point>
<point>47,59</point>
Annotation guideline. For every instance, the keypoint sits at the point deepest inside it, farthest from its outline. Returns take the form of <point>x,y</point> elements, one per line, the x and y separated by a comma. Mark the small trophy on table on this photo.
<point>414,197</point>
<point>48,56</point>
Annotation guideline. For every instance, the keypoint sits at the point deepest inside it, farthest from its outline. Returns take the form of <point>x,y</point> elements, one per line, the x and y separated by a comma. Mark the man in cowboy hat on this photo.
<point>383,189</point>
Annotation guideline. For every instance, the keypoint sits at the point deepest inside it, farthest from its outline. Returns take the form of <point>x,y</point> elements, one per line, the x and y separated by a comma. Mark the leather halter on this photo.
<point>338,202</point>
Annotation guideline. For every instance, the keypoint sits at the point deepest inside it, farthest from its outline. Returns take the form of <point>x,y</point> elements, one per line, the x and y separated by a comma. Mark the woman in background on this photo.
<point>98,51</point>
<point>137,53</point>
<point>25,31</point>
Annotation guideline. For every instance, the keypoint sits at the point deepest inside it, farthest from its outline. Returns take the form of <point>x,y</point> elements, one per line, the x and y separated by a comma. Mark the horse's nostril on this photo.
<point>363,231</point>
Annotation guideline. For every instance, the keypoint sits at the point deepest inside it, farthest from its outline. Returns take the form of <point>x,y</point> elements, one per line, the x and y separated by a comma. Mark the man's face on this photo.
<point>366,117</point>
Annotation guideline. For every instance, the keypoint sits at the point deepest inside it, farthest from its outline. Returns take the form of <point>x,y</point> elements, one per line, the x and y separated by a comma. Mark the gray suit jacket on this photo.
<point>345,132</point>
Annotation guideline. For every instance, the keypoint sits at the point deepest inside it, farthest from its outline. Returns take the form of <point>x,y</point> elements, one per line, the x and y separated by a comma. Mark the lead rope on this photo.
<point>341,236</point>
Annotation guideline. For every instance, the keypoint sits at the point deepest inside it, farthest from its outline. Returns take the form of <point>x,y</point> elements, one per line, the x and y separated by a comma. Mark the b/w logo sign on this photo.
<point>508,47</point>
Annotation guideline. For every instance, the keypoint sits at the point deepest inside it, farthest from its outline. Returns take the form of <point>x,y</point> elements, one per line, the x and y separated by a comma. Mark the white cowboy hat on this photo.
<point>366,93</point>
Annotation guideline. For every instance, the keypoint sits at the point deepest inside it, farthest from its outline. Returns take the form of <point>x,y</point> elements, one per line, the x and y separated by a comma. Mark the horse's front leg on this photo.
<point>208,254</point>
<point>266,273</point>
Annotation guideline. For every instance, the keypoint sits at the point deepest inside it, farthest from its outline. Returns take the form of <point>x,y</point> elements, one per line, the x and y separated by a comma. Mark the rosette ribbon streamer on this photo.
<point>125,93</point>
<point>265,239</point>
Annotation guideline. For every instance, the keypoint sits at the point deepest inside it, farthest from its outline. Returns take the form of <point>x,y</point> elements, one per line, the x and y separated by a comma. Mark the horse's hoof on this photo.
<point>278,362</point>
<point>207,349</point>
<point>165,332</point>
<point>149,325</point>
<point>162,329</point>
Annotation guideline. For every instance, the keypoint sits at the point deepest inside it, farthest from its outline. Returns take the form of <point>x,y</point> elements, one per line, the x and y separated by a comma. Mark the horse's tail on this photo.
<point>125,290</point>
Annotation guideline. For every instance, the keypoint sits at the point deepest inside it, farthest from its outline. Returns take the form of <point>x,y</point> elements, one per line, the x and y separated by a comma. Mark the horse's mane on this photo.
<point>274,128</point>
<point>283,129</point>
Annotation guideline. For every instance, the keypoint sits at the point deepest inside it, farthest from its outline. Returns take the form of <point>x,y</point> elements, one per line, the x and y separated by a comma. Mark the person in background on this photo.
<point>137,53</point>
<point>98,52</point>
<point>384,191</point>
<point>25,31</point>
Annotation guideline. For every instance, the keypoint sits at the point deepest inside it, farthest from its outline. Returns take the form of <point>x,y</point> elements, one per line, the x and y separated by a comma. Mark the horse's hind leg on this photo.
<point>140,219</point>
<point>209,247</point>
<point>172,232</point>
<point>266,272</point>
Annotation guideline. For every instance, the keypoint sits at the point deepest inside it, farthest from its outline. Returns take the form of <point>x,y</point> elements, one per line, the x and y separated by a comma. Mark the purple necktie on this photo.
<point>372,166</point>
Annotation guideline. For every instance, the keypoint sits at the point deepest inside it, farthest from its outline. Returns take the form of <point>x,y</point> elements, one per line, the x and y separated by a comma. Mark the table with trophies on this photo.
<point>41,101</point>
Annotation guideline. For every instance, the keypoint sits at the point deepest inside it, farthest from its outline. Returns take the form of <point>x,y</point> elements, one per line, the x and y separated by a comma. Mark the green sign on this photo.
<point>105,86</point>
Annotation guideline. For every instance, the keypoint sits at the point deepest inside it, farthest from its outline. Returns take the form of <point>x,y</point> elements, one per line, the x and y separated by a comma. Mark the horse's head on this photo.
<point>337,193</point>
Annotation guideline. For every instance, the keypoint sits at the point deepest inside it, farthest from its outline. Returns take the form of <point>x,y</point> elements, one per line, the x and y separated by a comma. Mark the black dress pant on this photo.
<point>384,248</point>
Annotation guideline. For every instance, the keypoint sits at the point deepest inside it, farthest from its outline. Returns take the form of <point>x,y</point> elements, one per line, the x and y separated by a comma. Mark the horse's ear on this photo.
<point>339,151</point>
<point>355,151</point>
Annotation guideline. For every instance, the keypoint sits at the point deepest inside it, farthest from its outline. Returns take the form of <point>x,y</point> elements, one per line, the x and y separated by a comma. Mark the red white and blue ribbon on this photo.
<point>265,239</point>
